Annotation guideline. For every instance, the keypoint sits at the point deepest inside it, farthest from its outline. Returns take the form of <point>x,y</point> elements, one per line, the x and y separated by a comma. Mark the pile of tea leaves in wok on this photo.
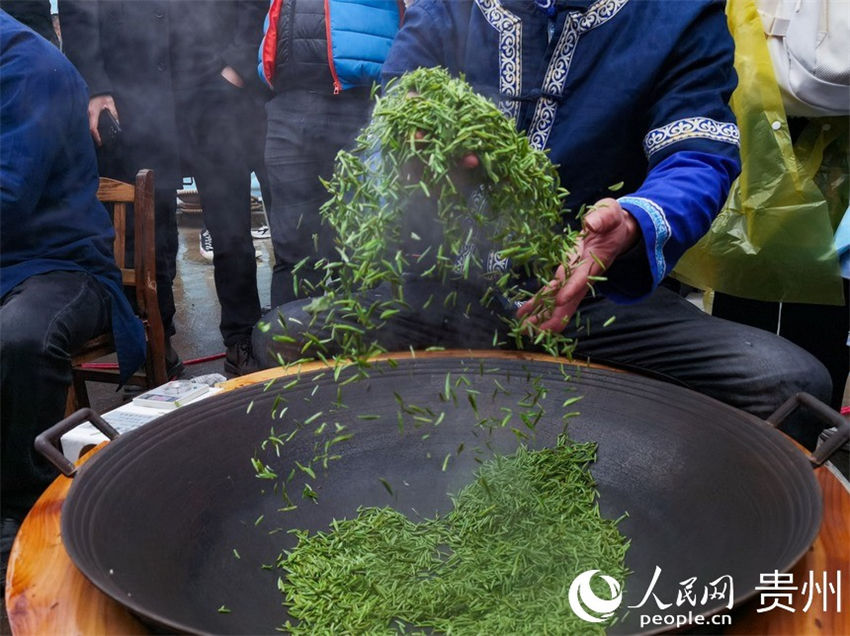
<point>501,562</point>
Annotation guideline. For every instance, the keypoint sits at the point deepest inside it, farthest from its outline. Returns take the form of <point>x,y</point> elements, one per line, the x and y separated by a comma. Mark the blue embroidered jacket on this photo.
<point>617,90</point>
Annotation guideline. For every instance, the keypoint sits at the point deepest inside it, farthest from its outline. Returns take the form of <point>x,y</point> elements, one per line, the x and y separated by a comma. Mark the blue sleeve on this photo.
<point>674,207</point>
<point>692,148</point>
<point>32,111</point>
<point>420,41</point>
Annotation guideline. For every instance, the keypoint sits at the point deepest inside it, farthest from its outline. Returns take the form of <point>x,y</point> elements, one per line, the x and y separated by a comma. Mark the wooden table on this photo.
<point>46,594</point>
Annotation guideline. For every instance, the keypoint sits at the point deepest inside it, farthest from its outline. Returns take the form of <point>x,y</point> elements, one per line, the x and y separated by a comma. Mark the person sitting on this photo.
<point>609,104</point>
<point>59,285</point>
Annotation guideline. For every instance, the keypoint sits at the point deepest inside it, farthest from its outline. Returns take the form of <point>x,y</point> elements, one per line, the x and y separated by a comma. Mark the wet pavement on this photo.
<point>198,312</point>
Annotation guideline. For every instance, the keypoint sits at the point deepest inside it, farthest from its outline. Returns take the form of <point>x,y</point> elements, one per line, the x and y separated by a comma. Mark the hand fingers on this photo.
<point>96,106</point>
<point>567,298</point>
<point>551,315</point>
<point>603,217</point>
<point>559,319</point>
<point>93,118</point>
<point>535,305</point>
<point>231,75</point>
<point>469,161</point>
<point>565,292</point>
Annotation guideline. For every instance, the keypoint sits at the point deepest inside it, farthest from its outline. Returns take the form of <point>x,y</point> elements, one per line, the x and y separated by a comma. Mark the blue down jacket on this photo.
<point>327,43</point>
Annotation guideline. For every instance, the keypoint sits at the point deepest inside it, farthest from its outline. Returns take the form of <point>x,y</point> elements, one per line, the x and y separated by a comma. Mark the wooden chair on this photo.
<point>138,271</point>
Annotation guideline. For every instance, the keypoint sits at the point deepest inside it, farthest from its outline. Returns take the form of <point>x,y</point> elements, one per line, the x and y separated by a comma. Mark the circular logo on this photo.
<point>589,607</point>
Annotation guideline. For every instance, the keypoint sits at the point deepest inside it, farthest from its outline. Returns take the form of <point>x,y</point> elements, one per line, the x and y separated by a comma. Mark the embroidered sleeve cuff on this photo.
<point>656,232</point>
<point>690,128</point>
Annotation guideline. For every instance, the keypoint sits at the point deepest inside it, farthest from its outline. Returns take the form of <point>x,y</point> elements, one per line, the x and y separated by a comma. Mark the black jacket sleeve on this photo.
<point>33,13</point>
<point>241,52</point>
<point>80,21</point>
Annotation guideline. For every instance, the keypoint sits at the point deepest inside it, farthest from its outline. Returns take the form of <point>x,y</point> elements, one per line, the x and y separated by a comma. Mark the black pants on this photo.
<point>118,161</point>
<point>221,128</point>
<point>305,132</point>
<point>222,131</point>
<point>43,321</point>
<point>663,335</point>
<point>820,329</point>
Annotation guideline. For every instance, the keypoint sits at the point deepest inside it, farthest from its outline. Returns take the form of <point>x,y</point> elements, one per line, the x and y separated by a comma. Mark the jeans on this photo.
<point>664,336</point>
<point>43,321</point>
<point>305,132</point>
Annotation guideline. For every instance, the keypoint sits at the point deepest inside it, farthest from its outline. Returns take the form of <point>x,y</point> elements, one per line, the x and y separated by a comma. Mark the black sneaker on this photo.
<point>173,364</point>
<point>205,245</point>
<point>240,359</point>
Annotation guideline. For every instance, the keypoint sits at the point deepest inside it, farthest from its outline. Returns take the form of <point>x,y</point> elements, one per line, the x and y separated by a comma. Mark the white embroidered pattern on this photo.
<point>496,264</point>
<point>662,229</point>
<point>559,66</point>
<point>509,28</point>
<point>599,13</point>
<point>547,6</point>
<point>553,83</point>
<point>467,251</point>
<point>690,128</point>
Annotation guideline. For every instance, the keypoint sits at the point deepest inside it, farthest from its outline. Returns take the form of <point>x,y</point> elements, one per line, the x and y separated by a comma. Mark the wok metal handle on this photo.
<point>47,443</point>
<point>828,415</point>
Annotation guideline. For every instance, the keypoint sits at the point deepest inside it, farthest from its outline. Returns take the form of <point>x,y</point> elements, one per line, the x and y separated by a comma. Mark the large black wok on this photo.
<point>154,520</point>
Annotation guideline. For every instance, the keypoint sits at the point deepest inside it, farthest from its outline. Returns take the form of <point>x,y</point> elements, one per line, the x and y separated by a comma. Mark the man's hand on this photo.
<point>231,75</point>
<point>608,232</point>
<point>96,106</point>
<point>462,174</point>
